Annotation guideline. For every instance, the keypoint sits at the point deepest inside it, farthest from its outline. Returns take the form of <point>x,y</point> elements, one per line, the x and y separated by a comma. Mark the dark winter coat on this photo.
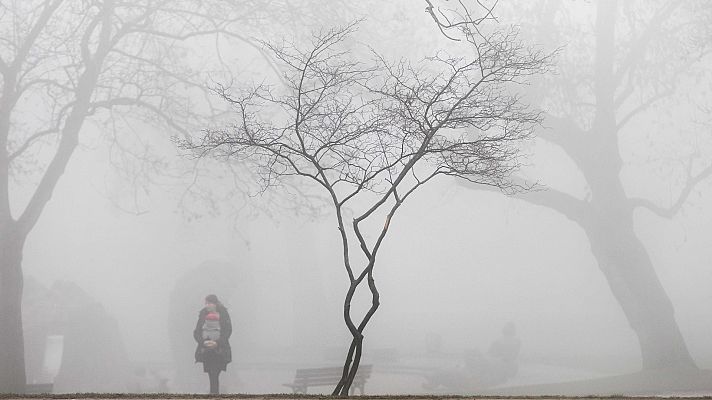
<point>223,355</point>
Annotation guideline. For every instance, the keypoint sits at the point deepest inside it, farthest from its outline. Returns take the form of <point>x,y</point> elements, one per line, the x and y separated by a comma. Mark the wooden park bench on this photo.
<point>312,377</point>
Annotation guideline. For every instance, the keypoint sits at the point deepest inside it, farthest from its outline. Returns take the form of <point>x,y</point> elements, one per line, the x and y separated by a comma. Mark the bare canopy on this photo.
<point>371,133</point>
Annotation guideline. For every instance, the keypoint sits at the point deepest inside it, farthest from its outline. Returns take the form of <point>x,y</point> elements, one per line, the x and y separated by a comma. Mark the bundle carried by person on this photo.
<point>211,327</point>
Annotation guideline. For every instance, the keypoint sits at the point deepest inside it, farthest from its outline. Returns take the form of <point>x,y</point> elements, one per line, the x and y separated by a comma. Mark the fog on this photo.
<point>117,267</point>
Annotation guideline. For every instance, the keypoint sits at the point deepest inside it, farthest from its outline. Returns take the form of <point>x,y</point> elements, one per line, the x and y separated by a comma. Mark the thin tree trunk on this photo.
<point>12,353</point>
<point>354,366</point>
<point>354,354</point>
<point>346,370</point>
<point>353,357</point>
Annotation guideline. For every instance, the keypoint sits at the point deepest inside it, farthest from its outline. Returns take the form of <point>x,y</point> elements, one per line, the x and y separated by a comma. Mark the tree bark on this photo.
<point>12,353</point>
<point>12,240</point>
<point>13,234</point>
<point>353,357</point>
<point>608,222</point>
<point>630,274</point>
<point>610,226</point>
<point>607,215</point>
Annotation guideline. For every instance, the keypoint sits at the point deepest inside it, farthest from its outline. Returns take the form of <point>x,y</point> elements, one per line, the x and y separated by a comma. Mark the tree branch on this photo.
<point>639,46</point>
<point>466,21</point>
<point>567,205</point>
<point>34,33</point>
<point>565,133</point>
<point>643,106</point>
<point>671,211</point>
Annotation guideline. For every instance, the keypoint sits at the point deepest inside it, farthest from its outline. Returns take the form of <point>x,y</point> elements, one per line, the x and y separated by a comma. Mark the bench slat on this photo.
<point>312,377</point>
<point>323,381</point>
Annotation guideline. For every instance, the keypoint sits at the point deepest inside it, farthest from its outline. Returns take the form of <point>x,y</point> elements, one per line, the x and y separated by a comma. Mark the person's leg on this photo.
<point>214,374</point>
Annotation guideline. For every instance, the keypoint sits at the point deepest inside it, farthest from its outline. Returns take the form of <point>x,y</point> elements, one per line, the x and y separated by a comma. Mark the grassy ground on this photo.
<point>668,383</point>
<point>660,384</point>
<point>130,396</point>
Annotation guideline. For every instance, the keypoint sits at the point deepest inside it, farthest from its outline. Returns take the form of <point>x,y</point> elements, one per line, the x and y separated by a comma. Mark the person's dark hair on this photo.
<point>211,298</point>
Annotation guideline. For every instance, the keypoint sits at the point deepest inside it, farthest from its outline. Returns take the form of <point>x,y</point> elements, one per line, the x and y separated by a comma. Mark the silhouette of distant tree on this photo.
<point>612,71</point>
<point>67,63</point>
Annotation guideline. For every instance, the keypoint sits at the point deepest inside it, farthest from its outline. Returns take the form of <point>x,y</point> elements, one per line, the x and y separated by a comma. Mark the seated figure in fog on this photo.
<point>495,367</point>
<point>503,354</point>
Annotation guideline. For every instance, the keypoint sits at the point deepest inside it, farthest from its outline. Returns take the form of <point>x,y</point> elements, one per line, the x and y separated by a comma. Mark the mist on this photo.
<point>599,265</point>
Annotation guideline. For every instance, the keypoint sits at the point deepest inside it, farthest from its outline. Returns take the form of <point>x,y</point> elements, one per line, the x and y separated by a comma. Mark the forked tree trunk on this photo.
<point>353,360</point>
<point>12,353</point>
<point>353,356</point>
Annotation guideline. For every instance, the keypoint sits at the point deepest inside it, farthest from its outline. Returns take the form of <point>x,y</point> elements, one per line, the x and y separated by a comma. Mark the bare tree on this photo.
<point>369,134</point>
<point>67,63</point>
<point>640,52</point>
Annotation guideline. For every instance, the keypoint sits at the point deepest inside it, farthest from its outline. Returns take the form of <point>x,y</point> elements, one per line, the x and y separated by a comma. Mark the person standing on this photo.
<point>212,333</point>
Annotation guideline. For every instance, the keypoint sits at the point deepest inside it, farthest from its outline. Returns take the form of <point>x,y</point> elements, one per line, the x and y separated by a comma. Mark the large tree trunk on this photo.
<point>630,274</point>
<point>610,226</point>
<point>606,216</point>
<point>13,233</point>
<point>12,353</point>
